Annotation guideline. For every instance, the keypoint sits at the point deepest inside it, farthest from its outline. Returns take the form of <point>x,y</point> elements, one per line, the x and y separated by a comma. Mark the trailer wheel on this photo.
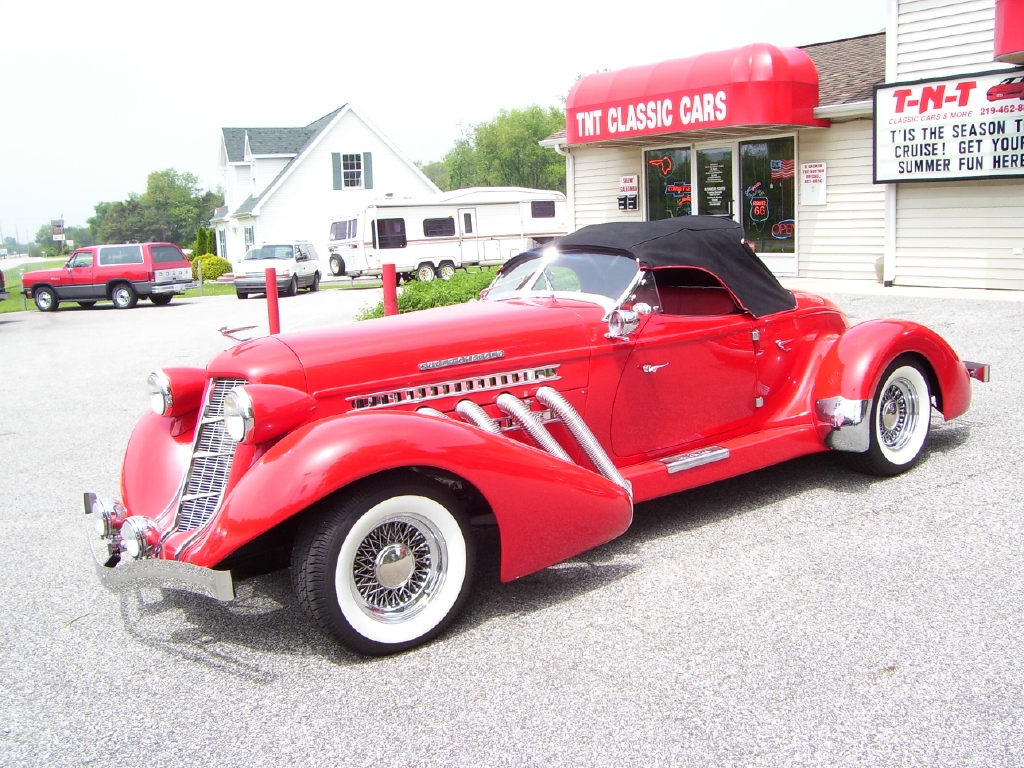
<point>425,272</point>
<point>446,270</point>
<point>337,266</point>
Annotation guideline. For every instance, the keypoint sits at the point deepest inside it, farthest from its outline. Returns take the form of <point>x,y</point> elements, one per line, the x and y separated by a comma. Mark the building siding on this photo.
<point>596,184</point>
<point>936,38</point>
<point>960,234</point>
<point>304,205</point>
<point>845,238</point>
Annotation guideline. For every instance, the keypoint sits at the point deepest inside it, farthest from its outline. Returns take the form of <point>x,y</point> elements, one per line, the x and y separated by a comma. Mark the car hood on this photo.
<point>421,348</point>
<point>42,275</point>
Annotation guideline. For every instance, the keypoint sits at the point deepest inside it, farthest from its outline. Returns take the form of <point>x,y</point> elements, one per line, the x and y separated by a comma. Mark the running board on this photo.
<point>698,458</point>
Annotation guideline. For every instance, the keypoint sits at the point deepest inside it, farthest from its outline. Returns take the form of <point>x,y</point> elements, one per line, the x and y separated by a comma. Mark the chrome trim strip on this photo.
<point>463,360</point>
<point>850,421</point>
<point>485,383</point>
<point>693,459</point>
<point>169,574</point>
<point>554,400</point>
<point>525,418</point>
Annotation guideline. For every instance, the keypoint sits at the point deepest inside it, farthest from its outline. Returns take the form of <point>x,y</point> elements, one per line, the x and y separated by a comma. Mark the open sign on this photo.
<point>784,229</point>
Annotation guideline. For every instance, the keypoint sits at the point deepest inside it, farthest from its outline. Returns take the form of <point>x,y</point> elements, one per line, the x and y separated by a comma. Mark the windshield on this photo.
<point>600,277</point>
<point>269,252</point>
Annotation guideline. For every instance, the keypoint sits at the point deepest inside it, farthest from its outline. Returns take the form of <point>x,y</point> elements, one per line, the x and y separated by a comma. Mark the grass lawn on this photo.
<point>14,303</point>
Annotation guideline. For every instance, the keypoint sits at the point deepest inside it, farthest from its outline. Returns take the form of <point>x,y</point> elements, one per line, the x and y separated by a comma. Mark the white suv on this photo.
<point>296,263</point>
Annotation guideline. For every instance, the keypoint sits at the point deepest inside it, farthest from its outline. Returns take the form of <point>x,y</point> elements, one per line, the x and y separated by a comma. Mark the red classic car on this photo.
<point>627,362</point>
<point>1010,88</point>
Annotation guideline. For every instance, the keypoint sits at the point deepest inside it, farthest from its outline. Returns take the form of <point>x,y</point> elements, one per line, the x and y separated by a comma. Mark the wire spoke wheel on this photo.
<point>900,420</point>
<point>397,567</point>
<point>389,567</point>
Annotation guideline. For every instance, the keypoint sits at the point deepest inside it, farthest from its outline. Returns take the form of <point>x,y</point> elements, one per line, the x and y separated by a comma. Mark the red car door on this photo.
<point>80,277</point>
<point>687,379</point>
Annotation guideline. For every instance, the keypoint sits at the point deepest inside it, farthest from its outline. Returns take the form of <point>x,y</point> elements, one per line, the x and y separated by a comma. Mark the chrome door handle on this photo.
<point>653,368</point>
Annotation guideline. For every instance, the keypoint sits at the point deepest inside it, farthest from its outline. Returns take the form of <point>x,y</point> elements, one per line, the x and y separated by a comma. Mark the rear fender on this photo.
<point>855,363</point>
<point>547,510</point>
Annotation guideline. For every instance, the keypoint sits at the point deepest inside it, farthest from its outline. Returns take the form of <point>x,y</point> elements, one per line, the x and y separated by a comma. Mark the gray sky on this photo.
<point>98,95</point>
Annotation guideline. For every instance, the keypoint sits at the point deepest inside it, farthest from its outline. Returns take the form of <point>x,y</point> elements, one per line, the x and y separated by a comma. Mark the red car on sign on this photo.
<point>1010,88</point>
<point>630,361</point>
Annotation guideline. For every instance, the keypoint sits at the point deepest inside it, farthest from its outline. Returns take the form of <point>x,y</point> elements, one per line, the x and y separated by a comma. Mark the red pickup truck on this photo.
<point>119,273</point>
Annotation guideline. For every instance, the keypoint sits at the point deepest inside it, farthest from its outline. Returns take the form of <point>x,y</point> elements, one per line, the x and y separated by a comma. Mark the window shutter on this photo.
<point>367,170</point>
<point>336,163</point>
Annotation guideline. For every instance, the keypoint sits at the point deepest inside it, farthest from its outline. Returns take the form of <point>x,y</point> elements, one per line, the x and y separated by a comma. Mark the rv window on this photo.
<point>391,233</point>
<point>468,219</point>
<point>542,209</point>
<point>439,227</point>
<point>343,230</point>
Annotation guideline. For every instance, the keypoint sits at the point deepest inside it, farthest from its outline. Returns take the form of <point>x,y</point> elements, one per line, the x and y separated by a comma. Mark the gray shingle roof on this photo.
<point>272,141</point>
<point>848,69</point>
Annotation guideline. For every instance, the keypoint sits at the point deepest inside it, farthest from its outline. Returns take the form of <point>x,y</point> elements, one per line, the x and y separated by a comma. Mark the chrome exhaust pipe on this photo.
<point>561,408</point>
<point>474,414</point>
<point>521,414</point>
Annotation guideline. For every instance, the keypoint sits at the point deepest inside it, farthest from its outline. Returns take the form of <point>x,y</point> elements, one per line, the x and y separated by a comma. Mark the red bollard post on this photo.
<point>273,312</point>
<point>390,289</point>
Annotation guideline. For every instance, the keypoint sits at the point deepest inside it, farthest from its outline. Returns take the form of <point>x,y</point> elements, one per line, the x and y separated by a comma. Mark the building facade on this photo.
<point>896,157</point>
<point>289,183</point>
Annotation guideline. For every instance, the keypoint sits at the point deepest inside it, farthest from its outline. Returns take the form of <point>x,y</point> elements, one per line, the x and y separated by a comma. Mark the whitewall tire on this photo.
<point>900,420</point>
<point>388,568</point>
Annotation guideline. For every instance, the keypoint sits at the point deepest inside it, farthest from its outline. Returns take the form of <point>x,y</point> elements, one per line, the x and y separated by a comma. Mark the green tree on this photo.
<point>170,210</point>
<point>504,152</point>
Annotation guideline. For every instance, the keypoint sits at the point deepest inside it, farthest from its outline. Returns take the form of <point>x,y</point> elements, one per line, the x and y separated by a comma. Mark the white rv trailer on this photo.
<point>433,236</point>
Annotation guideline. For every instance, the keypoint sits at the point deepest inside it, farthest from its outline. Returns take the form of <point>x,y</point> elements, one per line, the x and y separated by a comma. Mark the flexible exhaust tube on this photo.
<point>473,413</point>
<point>428,411</point>
<point>559,406</point>
<point>524,417</point>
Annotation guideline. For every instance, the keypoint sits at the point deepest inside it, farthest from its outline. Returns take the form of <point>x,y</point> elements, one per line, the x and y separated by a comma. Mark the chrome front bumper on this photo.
<point>119,573</point>
<point>259,284</point>
<point>168,574</point>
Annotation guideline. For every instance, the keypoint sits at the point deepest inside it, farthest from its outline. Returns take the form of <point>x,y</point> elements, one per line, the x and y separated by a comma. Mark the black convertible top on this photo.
<point>705,242</point>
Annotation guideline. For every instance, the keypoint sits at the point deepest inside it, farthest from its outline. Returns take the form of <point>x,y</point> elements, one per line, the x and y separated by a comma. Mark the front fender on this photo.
<point>853,366</point>
<point>547,510</point>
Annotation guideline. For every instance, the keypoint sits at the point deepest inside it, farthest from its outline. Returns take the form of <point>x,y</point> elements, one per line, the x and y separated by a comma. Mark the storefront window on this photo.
<point>668,183</point>
<point>767,169</point>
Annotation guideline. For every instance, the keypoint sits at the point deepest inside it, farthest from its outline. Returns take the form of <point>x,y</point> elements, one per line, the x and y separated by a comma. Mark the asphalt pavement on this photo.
<point>801,615</point>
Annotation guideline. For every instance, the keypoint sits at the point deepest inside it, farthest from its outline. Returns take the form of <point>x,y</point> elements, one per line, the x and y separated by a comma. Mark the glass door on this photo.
<point>714,182</point>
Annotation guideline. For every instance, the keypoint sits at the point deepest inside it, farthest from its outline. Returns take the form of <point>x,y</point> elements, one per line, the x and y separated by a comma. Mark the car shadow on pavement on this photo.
<point>265,617</point>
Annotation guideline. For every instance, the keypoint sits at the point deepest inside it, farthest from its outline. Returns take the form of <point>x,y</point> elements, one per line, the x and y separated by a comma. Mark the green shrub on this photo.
<point>213,267</point>
<point>418,295</point>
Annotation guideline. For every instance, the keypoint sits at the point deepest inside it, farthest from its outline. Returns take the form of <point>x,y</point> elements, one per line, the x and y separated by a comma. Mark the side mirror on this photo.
<point>621,323</point>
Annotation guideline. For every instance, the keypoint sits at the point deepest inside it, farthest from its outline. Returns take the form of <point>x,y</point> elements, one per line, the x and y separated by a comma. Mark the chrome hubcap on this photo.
<point>398,566</point>
<point>395,565</point>
<point>898,413</point>
<point>45,300</point>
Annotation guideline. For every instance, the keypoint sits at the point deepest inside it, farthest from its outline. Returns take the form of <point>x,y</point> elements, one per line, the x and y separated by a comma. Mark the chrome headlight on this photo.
<point>139,537</point>
<point>159,386</point>
<point>238,414</point>
<point>108,516</point>
<point>621,323</point>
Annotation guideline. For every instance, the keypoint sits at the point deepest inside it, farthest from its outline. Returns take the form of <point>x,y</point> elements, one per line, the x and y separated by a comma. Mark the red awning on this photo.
<point>757,84</point>
<point>1009,38</point>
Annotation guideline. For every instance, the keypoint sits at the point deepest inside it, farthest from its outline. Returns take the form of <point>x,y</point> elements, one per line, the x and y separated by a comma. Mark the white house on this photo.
<point>288,183</point>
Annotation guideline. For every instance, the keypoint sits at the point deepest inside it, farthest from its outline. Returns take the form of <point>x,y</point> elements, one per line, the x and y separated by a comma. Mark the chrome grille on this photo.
<point>212,455</point>
<point>486,383</point>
